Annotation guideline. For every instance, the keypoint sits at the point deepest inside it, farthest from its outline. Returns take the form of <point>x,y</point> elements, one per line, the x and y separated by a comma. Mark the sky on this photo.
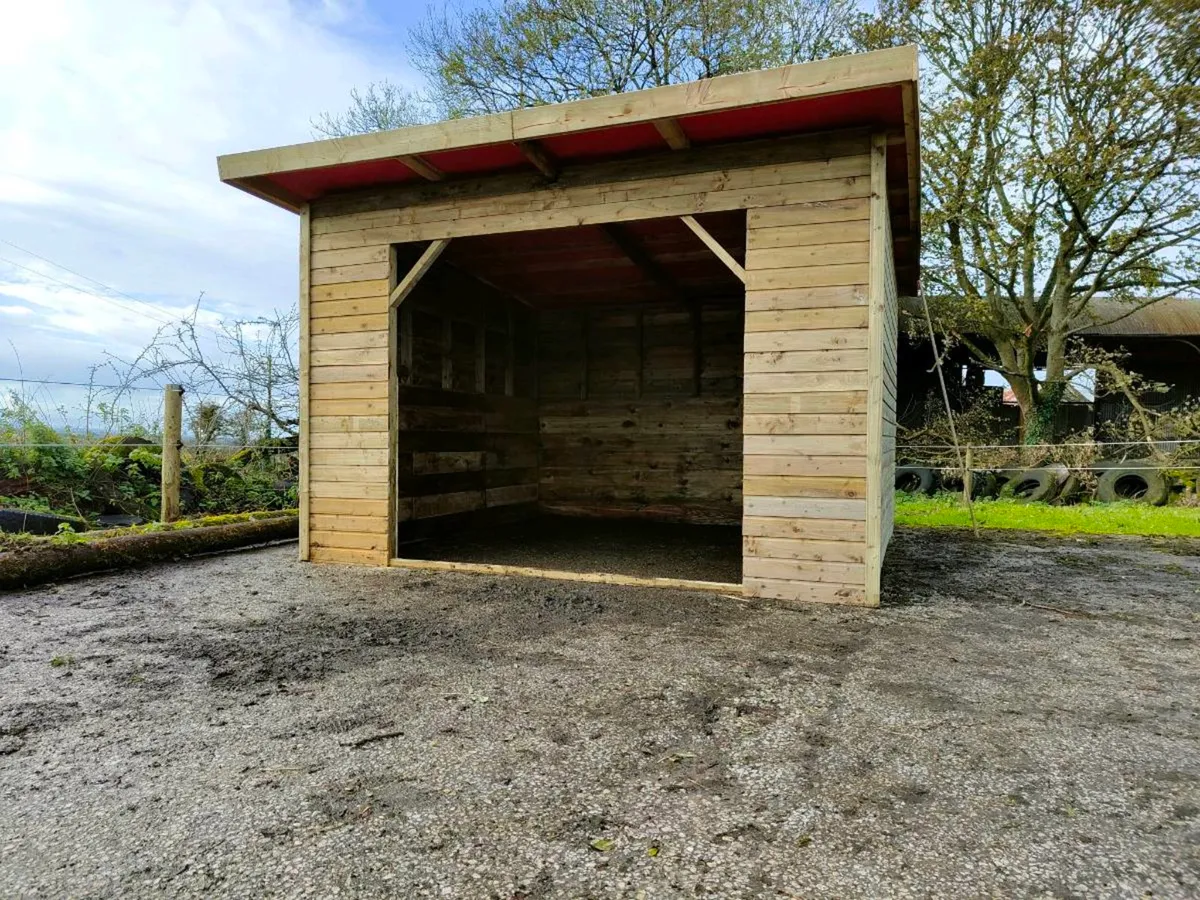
<point>112,114</point>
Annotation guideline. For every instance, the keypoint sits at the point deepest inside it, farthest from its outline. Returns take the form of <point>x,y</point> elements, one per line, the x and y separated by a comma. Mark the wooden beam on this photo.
<point>714,245</point>
<point>683,584</point>
<point>539,158</point>
<point>672,134</point>
<point>633,249</point>
<point>426,170</point>
<point>304,500</point>
<point>417,272</point>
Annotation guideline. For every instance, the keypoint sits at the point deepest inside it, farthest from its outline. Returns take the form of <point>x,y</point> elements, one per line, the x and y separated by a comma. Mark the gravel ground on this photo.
<point>1021,720</point>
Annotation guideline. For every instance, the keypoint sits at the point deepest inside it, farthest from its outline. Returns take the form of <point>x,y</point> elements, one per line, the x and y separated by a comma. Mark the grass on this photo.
<point>948,511</point>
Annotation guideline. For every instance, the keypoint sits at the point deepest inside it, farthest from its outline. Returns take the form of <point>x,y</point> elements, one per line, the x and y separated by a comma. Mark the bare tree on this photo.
<point>1061,164</point>
<point>381,107</point>
<point>243,373</point>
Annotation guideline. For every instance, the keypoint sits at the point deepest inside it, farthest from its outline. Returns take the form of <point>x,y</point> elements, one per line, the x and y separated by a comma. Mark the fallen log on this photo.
<point>44,562</point>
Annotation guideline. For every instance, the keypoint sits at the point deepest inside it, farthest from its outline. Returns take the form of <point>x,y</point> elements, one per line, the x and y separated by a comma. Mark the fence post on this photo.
<point>172,441</point>
<point>968,476</point>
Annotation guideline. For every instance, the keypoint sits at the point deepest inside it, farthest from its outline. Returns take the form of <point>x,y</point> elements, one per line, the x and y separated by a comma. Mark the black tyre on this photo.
<point>1032,486</point>
<point>983,483</point>
<point>1139,485</point>
<point>16,521</point>
<point>915,480</point>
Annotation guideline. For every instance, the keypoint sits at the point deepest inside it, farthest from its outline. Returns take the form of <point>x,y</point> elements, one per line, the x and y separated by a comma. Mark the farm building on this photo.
<point>676,305</point>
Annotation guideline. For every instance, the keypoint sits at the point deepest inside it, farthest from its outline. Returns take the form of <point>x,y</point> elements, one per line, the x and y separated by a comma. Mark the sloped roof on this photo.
<point>871,90</point>
<point>1174,317</point>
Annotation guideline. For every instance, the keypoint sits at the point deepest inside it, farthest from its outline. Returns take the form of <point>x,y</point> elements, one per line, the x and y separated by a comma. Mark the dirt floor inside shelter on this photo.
<point>1020,720</point>
<point>643,549</point>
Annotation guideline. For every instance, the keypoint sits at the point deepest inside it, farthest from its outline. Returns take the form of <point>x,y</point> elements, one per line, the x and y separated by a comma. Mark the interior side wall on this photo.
<point>467,430</point>
<point>640,411</point>
<point>806,422</point>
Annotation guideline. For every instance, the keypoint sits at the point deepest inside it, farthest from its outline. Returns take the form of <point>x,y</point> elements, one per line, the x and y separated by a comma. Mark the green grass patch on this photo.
<point>948,511</point>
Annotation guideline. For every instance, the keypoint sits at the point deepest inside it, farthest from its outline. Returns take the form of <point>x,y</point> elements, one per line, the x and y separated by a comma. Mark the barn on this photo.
<point>673,306</point>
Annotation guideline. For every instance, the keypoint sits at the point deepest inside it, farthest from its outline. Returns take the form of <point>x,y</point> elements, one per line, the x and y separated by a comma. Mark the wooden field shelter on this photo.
<point>678,304</point>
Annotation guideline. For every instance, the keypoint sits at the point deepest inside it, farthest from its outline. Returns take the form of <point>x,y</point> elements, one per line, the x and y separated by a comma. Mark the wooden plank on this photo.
<point>837,318</point>
<point>421,166</point>
<point>350,540</point>
<point>538,158</point>
<point>802,382</point>
<point>805,424</point>
<point>803,591</point>
<point>334,506</point>
<point>353,374</point>
<point>823,571</point>
<point>805,508</point>
<point>326,259</point>
<point>839,487</point>
<point>304,488</point>
<point>368,356</point>
<point>359,390</point>
<point>363,306</point>
<point>807,298</point>
<point>342,274</point>
<point>820,212</point>
<point>351,290</point>
<point>423,264</point>
<point>792,548</point>
<point>671,132</point>
<point>363,524</point>
<point>808,444</point>
<point>807,361</point>
<point>809,276</point>
<point>682,584</point>
<point>778,340</point>
<point>812,79</point>
<point>804,464</point>
<point>820,234</point>
<point>847,530</point>
<point>344,324</point>
<point>354,340</point>
<point>349,423</point>
<point>805,403</point>
<point>359,474</point>
<point>349,556</point>
<point>715,246</point>
<point>349,456</point>
<point>517,493</point>
<point>818,255</point>
<point>349,490</point>
<point>333,440</point>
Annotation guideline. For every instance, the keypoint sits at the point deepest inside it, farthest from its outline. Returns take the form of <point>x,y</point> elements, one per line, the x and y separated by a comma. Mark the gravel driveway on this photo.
<point>1020,721</point>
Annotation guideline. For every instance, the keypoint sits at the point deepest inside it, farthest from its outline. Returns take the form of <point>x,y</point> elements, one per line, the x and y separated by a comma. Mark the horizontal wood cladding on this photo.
<point>827,169</point>
<point>640,410</point>
<point>806,421</point>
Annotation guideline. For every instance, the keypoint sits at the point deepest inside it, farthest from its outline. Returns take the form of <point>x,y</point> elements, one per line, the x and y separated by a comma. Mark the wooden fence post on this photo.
<point>172,441</point>
<point>968,476</point>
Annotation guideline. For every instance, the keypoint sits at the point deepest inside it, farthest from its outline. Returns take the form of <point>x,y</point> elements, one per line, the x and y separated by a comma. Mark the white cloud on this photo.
<point>111,117</point>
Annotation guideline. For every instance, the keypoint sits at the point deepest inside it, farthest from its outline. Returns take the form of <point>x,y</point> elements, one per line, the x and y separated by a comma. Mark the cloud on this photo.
<point>112,116</point>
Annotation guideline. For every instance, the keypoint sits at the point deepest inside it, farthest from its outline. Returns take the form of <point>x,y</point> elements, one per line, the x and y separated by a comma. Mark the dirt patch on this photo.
<point>1019,719</point>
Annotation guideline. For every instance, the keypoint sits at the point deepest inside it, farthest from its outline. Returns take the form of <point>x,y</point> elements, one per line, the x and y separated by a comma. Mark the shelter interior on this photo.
<point>587,371</point>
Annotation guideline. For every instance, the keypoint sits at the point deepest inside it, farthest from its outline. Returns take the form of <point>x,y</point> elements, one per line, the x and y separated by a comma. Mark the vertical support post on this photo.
<point>510,354</point>
<point>171,443</point>
<point>305,376</point>
<point>968,476</point>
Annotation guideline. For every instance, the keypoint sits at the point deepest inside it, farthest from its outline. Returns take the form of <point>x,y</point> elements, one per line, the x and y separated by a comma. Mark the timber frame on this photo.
<point>815,402</point>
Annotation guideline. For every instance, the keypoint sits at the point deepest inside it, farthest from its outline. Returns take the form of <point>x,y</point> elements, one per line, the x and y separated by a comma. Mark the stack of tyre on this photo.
<point>1130,481</point>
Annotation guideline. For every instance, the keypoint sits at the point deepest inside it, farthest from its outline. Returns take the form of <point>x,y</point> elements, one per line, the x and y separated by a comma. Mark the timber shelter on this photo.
<point>674,305</point>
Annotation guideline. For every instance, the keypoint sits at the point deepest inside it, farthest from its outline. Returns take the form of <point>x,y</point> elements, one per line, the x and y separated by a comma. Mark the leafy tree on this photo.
<point>1061,163</point>
<point>517,53</point>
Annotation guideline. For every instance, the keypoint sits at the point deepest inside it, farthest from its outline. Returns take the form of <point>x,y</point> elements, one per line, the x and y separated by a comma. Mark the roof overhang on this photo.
<point>875,90</point>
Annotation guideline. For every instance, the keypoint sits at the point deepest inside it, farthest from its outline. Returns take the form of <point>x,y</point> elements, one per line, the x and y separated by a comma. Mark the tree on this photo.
<point>1060,164</point>
<point>518,53</point>
<point>381,107</point>
<point>242,376</point>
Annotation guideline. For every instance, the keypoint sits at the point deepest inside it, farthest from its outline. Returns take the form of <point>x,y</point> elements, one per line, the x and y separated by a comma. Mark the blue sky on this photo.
<point>112,113</point>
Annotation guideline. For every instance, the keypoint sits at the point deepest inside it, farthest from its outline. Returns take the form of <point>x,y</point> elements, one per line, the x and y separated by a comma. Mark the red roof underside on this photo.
<point>877,107</point>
